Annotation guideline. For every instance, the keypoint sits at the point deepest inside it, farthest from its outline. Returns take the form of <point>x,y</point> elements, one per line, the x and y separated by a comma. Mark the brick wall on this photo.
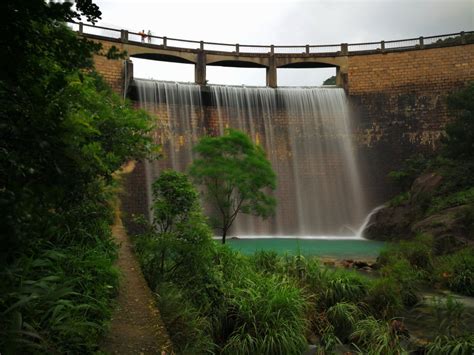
<point>399,101</point>
<point>399,108</point>
<point>112,70</point>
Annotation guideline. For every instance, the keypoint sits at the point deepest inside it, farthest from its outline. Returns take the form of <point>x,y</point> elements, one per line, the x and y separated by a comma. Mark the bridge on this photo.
<point>202,54</point>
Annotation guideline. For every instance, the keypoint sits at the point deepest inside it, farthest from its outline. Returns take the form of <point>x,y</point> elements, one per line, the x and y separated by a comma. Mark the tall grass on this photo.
<point>375,337</point>
<point>267,315</point>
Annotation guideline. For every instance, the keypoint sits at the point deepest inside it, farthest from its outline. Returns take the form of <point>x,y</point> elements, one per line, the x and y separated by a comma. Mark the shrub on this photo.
<point>376,337</point>
<point>267,317</point>
<point>189,331</point>
<point>407,277</point>
<point>451,345</point>
<point>343,316</point>
<point>63,301</point>
<point>384,298</point>
<point>448,316</point>
<point>267,261</point>
<point>456,271</point>
<point>340,286</point>
<point>418,252</point>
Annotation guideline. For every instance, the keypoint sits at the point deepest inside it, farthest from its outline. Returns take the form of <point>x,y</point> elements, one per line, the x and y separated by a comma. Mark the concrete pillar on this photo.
<point>342,78</point>
<point>272,73</point>
<point>200,69</point>
<point>344,48</point>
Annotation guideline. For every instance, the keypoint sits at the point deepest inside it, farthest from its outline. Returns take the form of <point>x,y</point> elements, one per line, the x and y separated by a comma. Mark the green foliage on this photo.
<point>267,261</point>
<point>340,286</point>
<point>413,167</point>
<point>456,271</point>
<point>63,133</point>
<point>418,252</point>
<point>267,317</point>
<point>448,316</point>
<point>459,140</point>
<point>400,199</point>
<point>188,328</point>
<point>343,316</point>
<point>330,81</point>
<point>447,345</point>
<point>454,199</point>
<point>177,245</point>
<point>236,175</point>
<point>407,277</point>
<point>63,301</point>
<point>374,337</point>
<point>385,298</point>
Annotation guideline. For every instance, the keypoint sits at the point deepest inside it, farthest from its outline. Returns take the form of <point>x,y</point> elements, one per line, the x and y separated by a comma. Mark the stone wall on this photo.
<point>399,101</point>
<point>112,70</point>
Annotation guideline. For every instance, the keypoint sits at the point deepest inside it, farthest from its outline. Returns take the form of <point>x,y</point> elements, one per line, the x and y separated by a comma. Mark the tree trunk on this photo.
<point>224,233</point>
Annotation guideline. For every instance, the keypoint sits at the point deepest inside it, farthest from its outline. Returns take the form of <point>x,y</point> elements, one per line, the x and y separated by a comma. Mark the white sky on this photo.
<point>281,23</point>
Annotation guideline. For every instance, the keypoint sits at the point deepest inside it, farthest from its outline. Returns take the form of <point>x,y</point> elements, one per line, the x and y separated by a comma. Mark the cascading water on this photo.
<point>305,132</point>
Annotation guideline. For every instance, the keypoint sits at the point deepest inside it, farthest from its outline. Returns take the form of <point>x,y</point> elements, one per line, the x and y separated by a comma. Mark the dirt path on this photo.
<point>136,326</point>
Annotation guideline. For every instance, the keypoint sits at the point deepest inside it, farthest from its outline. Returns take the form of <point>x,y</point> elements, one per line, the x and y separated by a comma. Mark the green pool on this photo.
<point>331,247</point>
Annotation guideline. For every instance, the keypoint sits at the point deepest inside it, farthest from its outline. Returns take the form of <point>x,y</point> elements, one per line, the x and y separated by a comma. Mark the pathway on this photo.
<point>136,325</point>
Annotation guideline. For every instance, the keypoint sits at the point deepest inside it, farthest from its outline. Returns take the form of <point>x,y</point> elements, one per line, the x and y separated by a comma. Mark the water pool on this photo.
<point>330,247</point>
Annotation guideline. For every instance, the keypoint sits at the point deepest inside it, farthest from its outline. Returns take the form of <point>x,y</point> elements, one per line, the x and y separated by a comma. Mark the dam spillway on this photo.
<point>305,132</point>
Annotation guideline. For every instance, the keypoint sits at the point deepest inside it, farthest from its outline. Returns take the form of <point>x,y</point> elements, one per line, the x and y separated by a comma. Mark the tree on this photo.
<point>330,81</point>
<point>236,175</point>
<point>178,240</point>
<point>63,133</point>
<point>459,140</point>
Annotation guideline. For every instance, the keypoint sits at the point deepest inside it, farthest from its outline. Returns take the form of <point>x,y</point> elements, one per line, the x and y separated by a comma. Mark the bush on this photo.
<point>340,286</point>
<point>343,316</point>
<point>267,261</point>
<point>376,337</point>
<point>64,299</point>
<point>451,345</point>
<point>456,271</point>
<point>384,298</point>
<point>190,332</point>
<point>267,317</point>
<point>177,245</point>
<point>418,252</point>
<point>407,277</point>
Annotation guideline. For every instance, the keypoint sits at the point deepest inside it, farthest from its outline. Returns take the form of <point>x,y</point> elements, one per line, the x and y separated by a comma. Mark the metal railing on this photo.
<point>329,49</point>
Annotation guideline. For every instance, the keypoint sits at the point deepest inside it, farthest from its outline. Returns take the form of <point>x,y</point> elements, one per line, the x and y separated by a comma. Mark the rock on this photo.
<point>312,350</point>
<point>390,223</point>
<point>347,263</point>
<point>425,185</point>
<point>361,264</point>
<point>446,228</point>
<point>395,222</point>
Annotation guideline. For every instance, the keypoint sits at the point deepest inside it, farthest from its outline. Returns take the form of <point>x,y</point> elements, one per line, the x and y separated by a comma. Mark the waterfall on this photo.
<point>305,132</point>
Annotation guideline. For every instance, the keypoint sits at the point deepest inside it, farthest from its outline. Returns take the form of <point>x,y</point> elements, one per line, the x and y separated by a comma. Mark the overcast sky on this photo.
<point>283,23</point>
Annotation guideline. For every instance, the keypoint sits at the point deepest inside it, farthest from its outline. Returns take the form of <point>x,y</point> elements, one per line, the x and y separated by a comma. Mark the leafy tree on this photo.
<point>237,176</point>
<point>330,81</point>
<point>459,140</point>
<point>62,135</point>
<point>178,240</point>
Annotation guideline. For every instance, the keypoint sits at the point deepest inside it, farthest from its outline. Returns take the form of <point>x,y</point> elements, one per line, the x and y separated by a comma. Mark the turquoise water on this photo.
<point>331,247</point>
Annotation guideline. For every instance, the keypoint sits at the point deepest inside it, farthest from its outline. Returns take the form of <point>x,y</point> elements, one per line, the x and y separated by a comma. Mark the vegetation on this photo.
<point>63,133</point>
<point>236,175</point>
<point>330,81</point>
<point>275,304</point>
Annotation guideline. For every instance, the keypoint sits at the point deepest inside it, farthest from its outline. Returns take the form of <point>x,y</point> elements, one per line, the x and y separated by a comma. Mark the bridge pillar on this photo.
<point>200,69</point>
<point>272,73</point>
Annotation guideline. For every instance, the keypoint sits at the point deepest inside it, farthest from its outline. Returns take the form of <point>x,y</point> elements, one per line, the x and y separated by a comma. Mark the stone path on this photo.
<point>136,325</point>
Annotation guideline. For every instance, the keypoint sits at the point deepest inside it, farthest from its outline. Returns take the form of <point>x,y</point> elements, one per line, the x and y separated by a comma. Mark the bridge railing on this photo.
<point>329,49</point>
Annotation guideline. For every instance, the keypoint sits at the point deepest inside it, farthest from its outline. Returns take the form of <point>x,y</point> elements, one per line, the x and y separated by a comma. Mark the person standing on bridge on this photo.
<point>149,36</point>
<point>143,35</point>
